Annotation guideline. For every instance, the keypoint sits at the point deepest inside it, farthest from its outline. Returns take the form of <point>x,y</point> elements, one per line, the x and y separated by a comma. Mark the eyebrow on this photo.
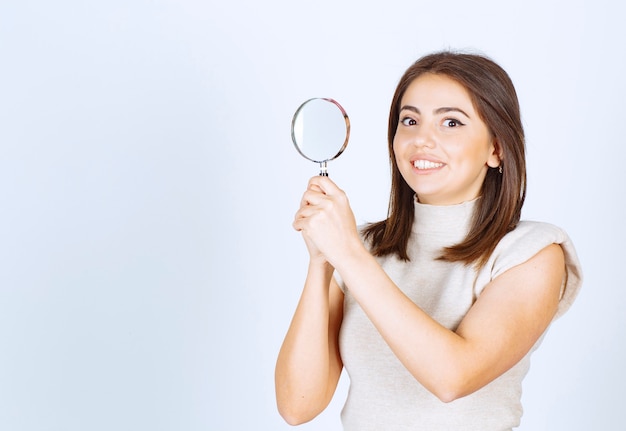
<point>441,110</point>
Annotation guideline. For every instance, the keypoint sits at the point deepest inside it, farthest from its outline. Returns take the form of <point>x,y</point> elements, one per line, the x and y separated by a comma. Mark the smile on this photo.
<point>426,164</point>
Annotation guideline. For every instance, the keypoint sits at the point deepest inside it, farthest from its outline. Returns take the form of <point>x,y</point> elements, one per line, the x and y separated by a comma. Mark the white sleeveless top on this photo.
<point>383,395</point>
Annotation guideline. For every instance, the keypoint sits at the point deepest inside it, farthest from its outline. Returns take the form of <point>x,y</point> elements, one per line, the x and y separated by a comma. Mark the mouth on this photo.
<point>426,164</point>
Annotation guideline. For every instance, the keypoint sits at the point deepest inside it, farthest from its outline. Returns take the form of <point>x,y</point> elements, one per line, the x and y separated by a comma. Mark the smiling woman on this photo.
<point>434,311</point>
<point>443,149</point>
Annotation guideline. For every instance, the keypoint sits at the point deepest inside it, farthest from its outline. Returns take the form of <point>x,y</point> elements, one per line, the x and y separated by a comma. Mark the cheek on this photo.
<point>475,150</point>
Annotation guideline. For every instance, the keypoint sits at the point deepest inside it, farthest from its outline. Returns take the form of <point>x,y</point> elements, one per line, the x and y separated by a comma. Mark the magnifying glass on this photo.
<point>320,129</point>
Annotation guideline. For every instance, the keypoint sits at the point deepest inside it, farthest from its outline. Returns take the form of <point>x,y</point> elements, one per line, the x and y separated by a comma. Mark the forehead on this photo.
<point>438,90</point>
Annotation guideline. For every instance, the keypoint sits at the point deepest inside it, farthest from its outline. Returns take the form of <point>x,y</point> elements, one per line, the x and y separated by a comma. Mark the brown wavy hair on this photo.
<point>502,194</point>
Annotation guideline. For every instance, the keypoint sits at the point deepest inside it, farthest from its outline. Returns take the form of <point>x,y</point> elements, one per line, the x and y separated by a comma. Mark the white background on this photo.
<point>148,268</point>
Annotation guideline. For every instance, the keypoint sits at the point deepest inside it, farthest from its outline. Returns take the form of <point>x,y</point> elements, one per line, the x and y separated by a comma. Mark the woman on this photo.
<point>434,311</point>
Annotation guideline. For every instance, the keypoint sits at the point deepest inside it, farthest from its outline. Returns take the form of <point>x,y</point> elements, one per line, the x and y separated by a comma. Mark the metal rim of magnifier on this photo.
<point>345,117</point>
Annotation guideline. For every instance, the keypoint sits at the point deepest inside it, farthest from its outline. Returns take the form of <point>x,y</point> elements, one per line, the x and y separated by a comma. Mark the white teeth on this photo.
<point>426,164</point>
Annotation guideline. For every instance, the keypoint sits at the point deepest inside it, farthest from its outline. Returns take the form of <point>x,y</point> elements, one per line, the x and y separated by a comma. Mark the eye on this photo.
<point>408,121</point>
<point>452,122</point>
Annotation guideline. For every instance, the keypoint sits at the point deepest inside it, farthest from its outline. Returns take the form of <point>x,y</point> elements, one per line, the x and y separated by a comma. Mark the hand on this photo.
<point>326,220</point>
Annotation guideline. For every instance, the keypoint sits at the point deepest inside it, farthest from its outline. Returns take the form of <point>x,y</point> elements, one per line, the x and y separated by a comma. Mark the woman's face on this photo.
<point>442,147</point>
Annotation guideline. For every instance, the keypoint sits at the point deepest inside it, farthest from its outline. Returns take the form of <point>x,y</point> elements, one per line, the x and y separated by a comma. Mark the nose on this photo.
<point>423,136</point>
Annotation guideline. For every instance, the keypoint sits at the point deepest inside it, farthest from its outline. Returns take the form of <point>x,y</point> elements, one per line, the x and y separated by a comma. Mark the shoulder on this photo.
<point>528,239</point>
<point>523,242</point>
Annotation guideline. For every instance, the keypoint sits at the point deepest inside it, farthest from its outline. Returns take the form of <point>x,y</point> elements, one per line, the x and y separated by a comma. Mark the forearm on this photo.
<point>307,369</point>
<point>500,328</point>
<point>432,353</point>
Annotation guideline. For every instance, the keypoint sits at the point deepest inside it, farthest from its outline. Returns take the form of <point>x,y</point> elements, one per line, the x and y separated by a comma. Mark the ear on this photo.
<point>495,158</point>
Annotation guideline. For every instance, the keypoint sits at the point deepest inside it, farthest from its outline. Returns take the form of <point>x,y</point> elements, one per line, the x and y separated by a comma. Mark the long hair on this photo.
<point>499,209</point>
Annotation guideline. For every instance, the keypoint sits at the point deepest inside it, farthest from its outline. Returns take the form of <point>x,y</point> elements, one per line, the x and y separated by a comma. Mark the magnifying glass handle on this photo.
<point>323,169</point>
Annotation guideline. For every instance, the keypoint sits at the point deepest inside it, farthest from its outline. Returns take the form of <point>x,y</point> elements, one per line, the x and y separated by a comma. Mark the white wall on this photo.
<point>148,269</point>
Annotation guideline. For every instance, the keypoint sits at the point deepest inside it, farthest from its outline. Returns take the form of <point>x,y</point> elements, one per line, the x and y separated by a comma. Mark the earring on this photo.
<point>500,168</point>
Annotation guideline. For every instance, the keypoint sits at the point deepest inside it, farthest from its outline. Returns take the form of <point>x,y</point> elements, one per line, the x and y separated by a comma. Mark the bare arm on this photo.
<point>500,328</point>
<point>309,365</point>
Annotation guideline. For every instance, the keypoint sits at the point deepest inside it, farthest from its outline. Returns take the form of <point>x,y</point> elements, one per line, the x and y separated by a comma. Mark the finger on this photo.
<point>312,197</point>
<point>306,212</point>
<point>297,225</point>
<point>324,184</point>
<point>315,188</point>
<point>302,218</point>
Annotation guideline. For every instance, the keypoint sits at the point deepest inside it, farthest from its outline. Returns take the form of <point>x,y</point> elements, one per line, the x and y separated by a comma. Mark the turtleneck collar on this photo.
<point>449,223</point>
